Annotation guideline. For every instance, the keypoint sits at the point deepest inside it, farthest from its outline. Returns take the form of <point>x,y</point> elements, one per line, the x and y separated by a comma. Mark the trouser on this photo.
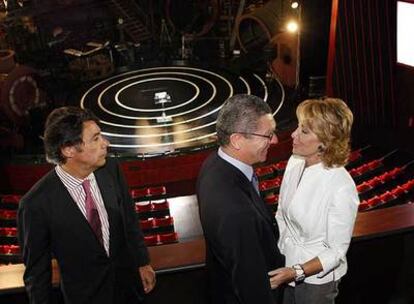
<point>304,293</point>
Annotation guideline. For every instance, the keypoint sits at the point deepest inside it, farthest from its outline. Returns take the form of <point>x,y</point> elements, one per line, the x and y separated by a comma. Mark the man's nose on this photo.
<point>105,142</point>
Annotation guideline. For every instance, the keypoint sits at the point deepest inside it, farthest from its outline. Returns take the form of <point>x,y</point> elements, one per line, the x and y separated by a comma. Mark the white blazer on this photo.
<point>316,217</point>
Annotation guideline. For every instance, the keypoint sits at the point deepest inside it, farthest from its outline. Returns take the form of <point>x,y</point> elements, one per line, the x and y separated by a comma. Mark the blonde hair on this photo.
<point>331,120</point>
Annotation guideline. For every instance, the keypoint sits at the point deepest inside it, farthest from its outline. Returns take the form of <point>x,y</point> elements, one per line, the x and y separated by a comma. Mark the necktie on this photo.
<point>92,214</point>
<point>255,183</point>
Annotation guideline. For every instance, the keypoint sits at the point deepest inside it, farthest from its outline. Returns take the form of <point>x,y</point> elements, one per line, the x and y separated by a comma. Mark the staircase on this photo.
<point>135,19</point>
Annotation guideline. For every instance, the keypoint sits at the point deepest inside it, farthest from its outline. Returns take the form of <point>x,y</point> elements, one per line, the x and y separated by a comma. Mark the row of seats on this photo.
<point>154,219</point>
<point>388,198</point>
<point>380,182</point>
<point>148,193</point>
<point>153,211</point>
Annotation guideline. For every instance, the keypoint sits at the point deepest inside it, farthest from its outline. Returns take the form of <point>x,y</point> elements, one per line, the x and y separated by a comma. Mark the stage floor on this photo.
<point>167,109</point>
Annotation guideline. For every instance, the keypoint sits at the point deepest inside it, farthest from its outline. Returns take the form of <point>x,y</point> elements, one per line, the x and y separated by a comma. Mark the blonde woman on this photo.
<point>318,204</point>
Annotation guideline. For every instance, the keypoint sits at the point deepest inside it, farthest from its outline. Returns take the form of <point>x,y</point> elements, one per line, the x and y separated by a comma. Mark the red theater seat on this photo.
<point>143,206</point>
<point>363,206</point>
<point>157,191</point>
<point>160,205</point>
<point>270,184</point>
<point>151,240</point>
<point>8,231</point>
<point>162,222</point>
<point>168,237</point>
<point>271,199</point>
<point>138,193</point>
<point>365,168</point>
<point>363,187</point>
<point>374,201</point>
<point>9,250</point>
<point>263,172</point>
<point>146,224</point>
<point>280,166</point>
<point>408,186</point>
<point>11,199</point>
<point>8,214</point>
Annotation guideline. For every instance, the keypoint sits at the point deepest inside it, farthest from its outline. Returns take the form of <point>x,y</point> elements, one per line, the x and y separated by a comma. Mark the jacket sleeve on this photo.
<point>133,232</point>
<point>34,240</point>
<point>341,219</point>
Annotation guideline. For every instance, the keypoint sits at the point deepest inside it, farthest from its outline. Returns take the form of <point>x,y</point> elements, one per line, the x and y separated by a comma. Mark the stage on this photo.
<point>166,109</point>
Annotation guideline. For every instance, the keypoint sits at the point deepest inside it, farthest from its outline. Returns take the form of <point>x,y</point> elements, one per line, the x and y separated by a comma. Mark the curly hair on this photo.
<point>331,120</point>
<point>64,127</point>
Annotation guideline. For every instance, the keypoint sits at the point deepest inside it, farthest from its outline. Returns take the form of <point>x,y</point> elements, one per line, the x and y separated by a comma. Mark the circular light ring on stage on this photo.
<point>190,127</point>
<point>164,144</point>
<point>197,89</point>
<point>100,97</point>
<point>160,134</point>
<point>188,120</point>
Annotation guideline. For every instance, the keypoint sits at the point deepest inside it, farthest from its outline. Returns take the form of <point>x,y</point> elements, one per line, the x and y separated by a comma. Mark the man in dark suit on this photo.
<point>241,233</point>
<point>81,214</point>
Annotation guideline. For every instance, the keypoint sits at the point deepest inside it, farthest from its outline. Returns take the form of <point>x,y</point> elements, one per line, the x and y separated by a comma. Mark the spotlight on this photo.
<point>292,26</point>
<point>294,4</point>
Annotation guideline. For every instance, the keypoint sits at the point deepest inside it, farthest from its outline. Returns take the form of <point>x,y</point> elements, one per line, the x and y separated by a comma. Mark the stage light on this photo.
<point>294,4</point>
<point>292,26</point>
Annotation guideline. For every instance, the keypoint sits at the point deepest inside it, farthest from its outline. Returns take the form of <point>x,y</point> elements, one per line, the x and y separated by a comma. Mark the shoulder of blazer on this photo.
<point>45,185</point>
<point>216,166</point>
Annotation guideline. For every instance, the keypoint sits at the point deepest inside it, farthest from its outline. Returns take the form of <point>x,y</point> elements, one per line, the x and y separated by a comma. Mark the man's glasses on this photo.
<point>269,137</point>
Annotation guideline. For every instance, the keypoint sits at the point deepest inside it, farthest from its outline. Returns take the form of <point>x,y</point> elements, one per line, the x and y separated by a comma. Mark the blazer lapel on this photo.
<point>248,187</point>
<point>259,204</point>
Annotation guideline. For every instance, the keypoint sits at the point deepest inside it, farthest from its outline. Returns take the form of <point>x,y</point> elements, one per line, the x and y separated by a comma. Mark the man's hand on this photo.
<point>147,277</point>
<point>280,276</point>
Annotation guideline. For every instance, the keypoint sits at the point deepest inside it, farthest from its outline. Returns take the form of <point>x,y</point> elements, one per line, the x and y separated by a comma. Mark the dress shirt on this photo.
<point>316,216</point>
<point>76,191</point>
<point>246,169</point>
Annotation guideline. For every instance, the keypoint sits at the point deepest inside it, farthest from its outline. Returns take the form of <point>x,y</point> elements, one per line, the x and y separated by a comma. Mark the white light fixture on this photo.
<point>292,26</point>
<point>294,4</point>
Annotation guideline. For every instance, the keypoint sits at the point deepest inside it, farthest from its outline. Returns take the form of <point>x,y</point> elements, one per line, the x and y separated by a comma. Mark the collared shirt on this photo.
<point>316,216</point>
<point>246,169</point>
<point>76,191</point>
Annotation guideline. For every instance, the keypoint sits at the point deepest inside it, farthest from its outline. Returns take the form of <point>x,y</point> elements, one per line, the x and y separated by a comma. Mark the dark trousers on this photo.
<point>311,293</point>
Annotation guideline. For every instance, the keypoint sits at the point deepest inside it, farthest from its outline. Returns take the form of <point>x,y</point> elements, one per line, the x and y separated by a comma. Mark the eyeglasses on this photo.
<point>269,137</point>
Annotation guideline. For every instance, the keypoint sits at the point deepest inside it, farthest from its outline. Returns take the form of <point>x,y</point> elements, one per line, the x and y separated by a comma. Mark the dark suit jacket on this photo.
<point>241,235</point>
<point>51,225</point>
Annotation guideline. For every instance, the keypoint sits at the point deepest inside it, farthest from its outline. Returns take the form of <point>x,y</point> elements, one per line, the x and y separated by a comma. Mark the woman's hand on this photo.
<point>280,276</point>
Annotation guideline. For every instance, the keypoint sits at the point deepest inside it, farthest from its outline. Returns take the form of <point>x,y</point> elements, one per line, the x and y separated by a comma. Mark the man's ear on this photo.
<point>68,151</point>
<point>235,141</point>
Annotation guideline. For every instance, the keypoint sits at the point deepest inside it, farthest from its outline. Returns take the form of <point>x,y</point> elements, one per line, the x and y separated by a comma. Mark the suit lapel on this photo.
<point>259,204</point>
<point>248,187</point>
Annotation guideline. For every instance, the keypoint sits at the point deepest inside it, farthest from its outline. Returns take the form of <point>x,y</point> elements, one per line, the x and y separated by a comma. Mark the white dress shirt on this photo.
<point>316,216</point>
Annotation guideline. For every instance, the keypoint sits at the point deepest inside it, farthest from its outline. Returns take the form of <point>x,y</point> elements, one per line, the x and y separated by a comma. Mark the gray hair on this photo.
<point>240,113</point>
